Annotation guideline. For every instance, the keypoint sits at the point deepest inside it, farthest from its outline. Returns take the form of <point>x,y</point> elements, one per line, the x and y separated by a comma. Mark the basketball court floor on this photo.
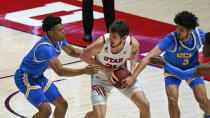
<point>14,44</point>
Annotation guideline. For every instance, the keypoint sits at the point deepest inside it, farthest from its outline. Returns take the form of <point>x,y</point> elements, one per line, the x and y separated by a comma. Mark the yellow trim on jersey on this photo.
<point>48,85</point>
<point>35,52</point>
<point>199,37</point>
<point>53,45</point>
<point>175,42</point>
<point>186,46</point>
<point>167,74</point>
<point>190,80</point>
<point>207,114</point>
<point>28,85</point>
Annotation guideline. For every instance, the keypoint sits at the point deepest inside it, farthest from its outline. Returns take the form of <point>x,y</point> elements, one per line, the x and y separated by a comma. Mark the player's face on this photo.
<point>206,50</point>
<point>58,32</point>
<point>182,32</point>
<point>116,40</point>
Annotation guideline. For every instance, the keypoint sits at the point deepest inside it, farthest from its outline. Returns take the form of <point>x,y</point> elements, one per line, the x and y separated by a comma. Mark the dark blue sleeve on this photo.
<point>167,43</point>
<point>44,52</point>
<point>181,74</point>
<point>64,42</point>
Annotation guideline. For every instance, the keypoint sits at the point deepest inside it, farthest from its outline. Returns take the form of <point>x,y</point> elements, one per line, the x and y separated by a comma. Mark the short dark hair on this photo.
<point>186,19</point>
<point>207,38</point>
<point>120,27</point>
<point>49,22</point>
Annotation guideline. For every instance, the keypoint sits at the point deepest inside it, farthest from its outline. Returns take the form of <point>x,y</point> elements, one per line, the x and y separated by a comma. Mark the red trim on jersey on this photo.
<point>130,40</point>
<point>104,39</point>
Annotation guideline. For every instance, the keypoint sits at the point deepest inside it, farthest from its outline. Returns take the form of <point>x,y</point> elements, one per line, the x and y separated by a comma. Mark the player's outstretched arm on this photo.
<point>181,74</point>
<point>56,65</point>
<point>143,63</point>
<point>71,51</point>
<point>202,70</point>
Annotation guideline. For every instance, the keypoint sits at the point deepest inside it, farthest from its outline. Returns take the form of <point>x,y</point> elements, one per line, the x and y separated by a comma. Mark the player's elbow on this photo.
<point>59,71</point>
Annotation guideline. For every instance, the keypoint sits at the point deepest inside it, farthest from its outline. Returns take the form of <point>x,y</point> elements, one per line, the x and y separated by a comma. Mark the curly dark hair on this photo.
<point>186,19</point>
<point>49,22</point>
<point>207,38</point>
<point>120,27</point>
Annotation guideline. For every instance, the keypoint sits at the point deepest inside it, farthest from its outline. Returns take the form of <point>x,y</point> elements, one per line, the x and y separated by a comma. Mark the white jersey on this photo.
<point>101,86</point>
<point>107,58</point>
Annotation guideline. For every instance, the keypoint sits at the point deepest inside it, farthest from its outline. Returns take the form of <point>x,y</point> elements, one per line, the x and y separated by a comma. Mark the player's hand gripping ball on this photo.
<point>121,74</point>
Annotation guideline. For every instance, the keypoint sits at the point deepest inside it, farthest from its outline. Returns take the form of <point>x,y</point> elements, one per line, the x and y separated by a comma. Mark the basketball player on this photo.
<point>181,50</point>
<point>200,71</point>
<point>111,51</point>
<point>29,79</point>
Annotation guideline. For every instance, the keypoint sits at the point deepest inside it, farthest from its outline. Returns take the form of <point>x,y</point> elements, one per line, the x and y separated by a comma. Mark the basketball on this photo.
<point>121,74</point>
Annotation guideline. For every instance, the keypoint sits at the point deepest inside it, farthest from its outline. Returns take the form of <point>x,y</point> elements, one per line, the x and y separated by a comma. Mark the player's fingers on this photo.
<point>92,71</point>
<point>123,81</point>
<point>124,84</point>
<point>129,86</point>
<point>112,81</point>
<point>153,61</point>
<point>152,58</point>
<point>114,77</point>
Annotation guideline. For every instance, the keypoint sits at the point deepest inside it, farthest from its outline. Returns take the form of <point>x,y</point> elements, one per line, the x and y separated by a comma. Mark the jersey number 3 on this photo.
<point>186,61</point>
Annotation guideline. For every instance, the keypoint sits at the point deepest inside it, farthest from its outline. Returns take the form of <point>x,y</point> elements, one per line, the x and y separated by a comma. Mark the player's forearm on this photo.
<point>70,72</point>
<point>181,74</point>
<point>76,53</point>
<point>94,62</point>
<point>132,65</point>
<point>143,63</point>
<point>133,61</point>
<point>140,66</point>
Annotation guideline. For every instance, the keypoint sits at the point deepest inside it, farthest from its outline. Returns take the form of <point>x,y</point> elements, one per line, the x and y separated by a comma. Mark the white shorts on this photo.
<point>101,88</point>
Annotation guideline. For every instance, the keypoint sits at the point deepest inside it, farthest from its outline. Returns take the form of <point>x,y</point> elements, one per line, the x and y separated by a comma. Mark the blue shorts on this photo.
<point>36,89</point>
<point>172,79</point>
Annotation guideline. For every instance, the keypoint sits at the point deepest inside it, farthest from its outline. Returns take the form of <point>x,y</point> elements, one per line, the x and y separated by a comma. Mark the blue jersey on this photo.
<point>182,54</point>
<point>35,62</point>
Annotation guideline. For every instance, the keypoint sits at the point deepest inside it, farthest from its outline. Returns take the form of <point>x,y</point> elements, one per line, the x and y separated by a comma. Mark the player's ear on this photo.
<point>50,31</point>
<point>190,30</point>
